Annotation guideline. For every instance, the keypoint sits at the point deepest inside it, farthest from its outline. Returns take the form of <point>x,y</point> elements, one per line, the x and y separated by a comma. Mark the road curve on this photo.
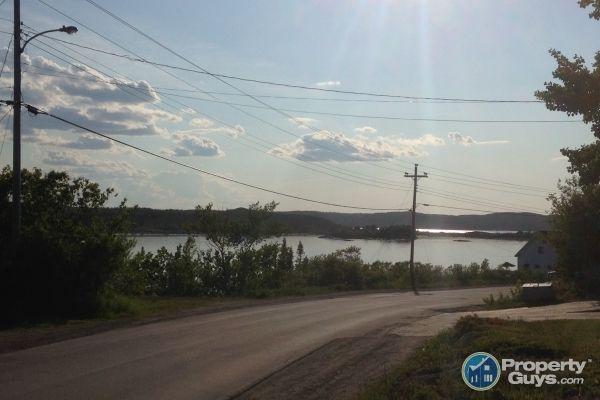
<point>210,356</point>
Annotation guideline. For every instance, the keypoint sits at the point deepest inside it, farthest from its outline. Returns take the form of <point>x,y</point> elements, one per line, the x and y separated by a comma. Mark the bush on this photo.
<point>66,256</point>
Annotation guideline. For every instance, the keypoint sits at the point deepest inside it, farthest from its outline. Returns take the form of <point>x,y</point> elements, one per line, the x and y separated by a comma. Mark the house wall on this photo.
<point>530,258</point>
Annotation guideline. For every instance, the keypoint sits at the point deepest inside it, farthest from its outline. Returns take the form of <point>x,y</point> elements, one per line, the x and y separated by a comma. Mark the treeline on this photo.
<point>276,269</point>
<point>152,221</point>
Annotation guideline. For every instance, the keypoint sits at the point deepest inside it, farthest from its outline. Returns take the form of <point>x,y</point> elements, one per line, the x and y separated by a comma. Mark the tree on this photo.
<point>300,255</point>
<point>232,239</point>
<point>575,216</point>
<point>66,255</point>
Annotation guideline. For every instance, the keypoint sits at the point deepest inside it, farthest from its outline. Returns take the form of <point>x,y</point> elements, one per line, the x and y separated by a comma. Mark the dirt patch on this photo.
<point>337,370</point>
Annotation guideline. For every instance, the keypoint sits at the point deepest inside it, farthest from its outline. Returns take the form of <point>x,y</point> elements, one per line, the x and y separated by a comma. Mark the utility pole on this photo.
<point>415,178</point>
<point>17,51</point>
<point>17,120</point>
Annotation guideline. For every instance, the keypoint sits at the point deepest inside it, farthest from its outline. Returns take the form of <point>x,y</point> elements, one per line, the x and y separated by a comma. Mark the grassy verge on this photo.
<point>433,371</point>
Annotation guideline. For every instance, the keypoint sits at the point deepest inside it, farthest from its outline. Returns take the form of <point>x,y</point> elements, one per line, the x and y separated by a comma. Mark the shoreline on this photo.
<point>464,236</point>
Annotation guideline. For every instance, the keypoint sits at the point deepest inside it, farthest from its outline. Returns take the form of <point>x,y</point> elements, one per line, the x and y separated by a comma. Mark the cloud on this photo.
<point>365,130</point>
<point>464,140</point>
<point>328,83</point>
<point>190,145</point>
<point>331,146</point>
<point>80,164</point>
<point>89,98</point>
<point>86,141</point>
<point>203,123</point>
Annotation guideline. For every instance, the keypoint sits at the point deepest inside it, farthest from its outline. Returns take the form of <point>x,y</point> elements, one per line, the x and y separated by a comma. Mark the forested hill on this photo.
<point>146,220</point>
<point>496,221</point>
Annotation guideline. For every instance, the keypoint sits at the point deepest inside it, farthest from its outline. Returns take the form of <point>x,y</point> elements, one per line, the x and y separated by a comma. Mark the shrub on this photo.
<point>66,255</point>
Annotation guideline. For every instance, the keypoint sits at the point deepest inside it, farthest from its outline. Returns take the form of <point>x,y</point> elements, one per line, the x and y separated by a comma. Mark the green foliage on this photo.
<point>66,255</point>
<point>433,371</point>
<point>272,269</point>
<point>510,300</point>
<point>575,217</point>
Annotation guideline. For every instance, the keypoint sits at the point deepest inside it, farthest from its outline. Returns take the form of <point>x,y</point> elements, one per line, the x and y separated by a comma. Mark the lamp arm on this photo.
<point>36,35</point>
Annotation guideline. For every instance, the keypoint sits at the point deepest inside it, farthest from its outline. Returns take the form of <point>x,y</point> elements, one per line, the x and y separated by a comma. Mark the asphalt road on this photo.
<point>210,356</point>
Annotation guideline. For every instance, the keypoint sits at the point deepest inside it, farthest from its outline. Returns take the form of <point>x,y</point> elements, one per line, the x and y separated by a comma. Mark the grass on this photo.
<point>433,371</point>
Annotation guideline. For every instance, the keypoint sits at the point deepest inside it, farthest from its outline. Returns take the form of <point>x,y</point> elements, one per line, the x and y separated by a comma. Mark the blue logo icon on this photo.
<point>481,371</point>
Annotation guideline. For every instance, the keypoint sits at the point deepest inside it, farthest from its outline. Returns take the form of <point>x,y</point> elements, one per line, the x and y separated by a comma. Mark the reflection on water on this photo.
<point>438,251</point>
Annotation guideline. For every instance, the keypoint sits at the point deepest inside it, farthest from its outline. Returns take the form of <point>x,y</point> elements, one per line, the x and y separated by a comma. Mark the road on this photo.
<point>210,356</point>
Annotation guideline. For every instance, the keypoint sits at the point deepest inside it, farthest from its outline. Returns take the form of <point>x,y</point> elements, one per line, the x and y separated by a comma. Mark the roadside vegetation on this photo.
<point>72,261</point>
<point>433,371</point>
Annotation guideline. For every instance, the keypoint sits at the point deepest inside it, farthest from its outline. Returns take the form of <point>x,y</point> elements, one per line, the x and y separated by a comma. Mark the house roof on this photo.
<point>524,247</point>
<point>538,239</point>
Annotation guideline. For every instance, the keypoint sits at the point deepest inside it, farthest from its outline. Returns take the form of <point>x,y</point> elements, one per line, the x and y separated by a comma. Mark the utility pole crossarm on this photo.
<point>415,177</point>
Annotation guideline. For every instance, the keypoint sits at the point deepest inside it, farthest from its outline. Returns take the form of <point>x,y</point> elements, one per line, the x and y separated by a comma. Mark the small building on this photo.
<point>537,255</point>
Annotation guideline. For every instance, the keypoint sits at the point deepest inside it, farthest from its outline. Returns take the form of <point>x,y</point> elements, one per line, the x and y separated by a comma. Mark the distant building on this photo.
<point>537,255</point>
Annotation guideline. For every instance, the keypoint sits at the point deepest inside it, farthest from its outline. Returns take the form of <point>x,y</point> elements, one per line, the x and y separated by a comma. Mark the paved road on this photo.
<point>210,356</point>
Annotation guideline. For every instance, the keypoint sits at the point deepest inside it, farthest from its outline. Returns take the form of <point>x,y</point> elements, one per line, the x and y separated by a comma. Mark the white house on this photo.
<point>537,255</point>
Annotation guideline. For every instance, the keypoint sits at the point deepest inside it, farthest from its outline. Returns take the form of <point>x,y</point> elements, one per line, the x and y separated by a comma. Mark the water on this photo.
<point>435,250</point>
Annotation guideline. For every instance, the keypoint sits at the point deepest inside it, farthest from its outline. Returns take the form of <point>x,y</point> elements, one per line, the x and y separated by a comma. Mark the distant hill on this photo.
<point>496,221</point>
<point>147,220</point>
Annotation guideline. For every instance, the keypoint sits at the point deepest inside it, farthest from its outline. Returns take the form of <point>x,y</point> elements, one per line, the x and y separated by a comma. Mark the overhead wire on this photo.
<point>478,210</point>
<point>267,105</point>
<point>283,130</point>
<point>6,130</point>
<point>35,110</point>
<point>296,86</point>
<point>380,185</point>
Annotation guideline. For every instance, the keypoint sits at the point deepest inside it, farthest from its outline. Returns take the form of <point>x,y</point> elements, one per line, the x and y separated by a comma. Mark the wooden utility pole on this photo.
<point>16,120</point>
<point>415,178</point>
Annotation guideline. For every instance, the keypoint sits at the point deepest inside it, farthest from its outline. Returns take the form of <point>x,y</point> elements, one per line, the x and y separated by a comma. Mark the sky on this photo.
<point>443,49</point>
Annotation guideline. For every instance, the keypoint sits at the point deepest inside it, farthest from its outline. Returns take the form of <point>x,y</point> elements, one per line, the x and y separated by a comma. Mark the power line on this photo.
<point>343,171</point>
<point>6,130</point>
<point>180,56</point>
<point>462,199</point>
<point>266,82</point>
<point>385,117</point>
<point>480,200</point>
<point>5,55</point>
<point>362,116</point>
<point>331,149</point>
<point>132,27</point>
<point>487,179</point>
<point>458,181</point>
<point>221,122</point>
<point>35,110</point>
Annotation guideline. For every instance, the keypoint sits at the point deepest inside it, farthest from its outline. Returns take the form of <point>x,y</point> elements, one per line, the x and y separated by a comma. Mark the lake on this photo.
<point>435,250</point>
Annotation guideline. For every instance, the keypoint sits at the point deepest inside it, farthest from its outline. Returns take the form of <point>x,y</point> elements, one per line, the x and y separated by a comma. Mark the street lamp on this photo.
<point>17,51</point>
<point>69,30</point>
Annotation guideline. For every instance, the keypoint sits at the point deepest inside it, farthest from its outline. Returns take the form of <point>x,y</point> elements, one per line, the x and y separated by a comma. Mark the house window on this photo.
<point>540,249</point>
<point>537,266</point>
<point>526,266</point>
